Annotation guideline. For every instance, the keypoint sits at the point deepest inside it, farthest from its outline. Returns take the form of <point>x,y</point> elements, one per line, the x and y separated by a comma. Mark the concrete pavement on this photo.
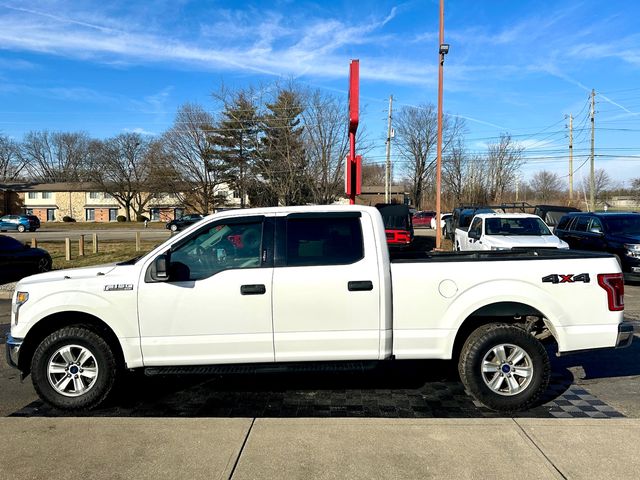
<point>268,448</point>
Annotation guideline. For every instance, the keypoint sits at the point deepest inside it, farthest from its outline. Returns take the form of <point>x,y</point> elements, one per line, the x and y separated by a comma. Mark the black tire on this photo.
<point>504,396</point>
<point>21,228</point>
<point>77,339</point>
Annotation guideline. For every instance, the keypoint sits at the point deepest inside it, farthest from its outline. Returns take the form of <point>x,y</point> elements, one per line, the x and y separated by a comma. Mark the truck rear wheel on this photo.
<point>73,369</point>
<point>504,367</point>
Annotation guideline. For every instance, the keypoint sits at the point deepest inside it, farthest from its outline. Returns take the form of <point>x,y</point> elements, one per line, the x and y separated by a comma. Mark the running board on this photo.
<point>250,369</point>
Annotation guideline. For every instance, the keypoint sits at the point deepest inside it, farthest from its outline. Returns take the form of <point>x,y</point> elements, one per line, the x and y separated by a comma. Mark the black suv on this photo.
<point>617,233</point>
<point>183,222</point>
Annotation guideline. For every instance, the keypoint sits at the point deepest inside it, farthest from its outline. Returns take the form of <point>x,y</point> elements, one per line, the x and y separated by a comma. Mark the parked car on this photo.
<point>422,219</point>
<point>21,223</point>
<point>195,303</point>
<point>398,224</point>
<point>551,214</point>
<point>506,231</point>
<point>184,222</point>
<point>443,222</point>
<point>18,260</point>
<point>617,233</point>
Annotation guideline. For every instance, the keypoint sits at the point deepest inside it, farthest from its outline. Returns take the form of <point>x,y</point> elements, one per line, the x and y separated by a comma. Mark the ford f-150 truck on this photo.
<point>312,284</point>
<point>505,231</point>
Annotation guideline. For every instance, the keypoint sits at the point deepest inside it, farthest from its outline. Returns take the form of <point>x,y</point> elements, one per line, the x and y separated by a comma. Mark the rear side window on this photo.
<point>564,222</point>
<point>323,241</point>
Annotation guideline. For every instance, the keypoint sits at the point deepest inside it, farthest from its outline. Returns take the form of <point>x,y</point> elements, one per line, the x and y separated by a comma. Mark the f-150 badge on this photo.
<point>570,278</point>
<point>118,287</point>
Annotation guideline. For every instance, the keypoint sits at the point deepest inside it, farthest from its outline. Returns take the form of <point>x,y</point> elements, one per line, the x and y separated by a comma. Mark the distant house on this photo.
<point>86,202</point>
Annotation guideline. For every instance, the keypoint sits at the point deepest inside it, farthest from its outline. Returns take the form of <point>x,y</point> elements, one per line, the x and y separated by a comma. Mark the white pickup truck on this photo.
<point>309,284</point>
<point>505,231</point>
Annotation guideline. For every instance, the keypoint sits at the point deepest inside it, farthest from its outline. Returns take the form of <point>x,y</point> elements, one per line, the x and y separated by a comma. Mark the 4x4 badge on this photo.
<point>569,278</point>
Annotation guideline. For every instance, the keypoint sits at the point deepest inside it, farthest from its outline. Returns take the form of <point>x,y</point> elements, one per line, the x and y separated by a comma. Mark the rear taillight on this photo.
<point>613,283</point>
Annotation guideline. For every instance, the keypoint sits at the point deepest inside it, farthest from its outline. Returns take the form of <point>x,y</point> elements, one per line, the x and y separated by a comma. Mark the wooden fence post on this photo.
<point>81,246</point>
<point>67,249</point>
<point>34,242</point>
<point>137,241</point>
<point>95,243</point>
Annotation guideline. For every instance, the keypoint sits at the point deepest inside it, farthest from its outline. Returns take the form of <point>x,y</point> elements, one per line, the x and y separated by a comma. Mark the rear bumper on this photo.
<point>13,350</point>
<point>625,335</point>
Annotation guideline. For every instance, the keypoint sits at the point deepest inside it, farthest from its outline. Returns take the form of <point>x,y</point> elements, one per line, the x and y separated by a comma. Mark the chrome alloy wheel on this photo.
<point>507,369</point>
<point>72,370</point>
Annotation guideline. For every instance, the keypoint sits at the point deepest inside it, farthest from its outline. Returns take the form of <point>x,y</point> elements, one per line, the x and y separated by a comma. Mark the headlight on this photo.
<point>500,248</point>
<point>633,249</point>
<point>21,299</point>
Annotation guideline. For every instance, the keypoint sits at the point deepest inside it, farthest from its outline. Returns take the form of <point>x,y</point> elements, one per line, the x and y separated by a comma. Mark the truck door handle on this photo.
<point>257,289</point>
<point>360,286</point>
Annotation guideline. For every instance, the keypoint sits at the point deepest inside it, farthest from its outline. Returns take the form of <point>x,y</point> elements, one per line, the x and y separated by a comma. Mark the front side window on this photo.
<point>216,248</point>
<point>475,228</point>
<point>323,241</point>
<point>596,226</point>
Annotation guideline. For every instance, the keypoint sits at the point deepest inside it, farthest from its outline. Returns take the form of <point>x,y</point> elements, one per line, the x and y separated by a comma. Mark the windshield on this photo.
<point>623,224</point>
<point>516,226</point>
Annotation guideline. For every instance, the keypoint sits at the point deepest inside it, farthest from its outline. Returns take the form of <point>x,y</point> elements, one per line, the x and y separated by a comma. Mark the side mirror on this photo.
<point>475,235</point>
<point>596,231</point>
<point>161,268</point>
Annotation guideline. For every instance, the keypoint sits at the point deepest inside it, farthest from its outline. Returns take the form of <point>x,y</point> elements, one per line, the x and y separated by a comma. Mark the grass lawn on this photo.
<point>108,252</point>
<point>100,225</point>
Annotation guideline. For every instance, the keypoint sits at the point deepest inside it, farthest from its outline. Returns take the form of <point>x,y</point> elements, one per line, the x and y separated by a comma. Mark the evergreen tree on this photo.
<point>282,165</point>
<point>235,141</point>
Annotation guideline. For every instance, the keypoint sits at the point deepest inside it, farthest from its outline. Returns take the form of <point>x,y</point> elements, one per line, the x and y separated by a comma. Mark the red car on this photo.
<point>423,218</point>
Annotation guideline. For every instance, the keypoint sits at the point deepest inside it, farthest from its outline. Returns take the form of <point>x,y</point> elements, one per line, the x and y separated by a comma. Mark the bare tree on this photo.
<point>603,183</point>
<point>122,170</point>
<point>635,188</point>
<point>188,143</point>
<point>373,174</point>
<point>56,157</point>
<point>504,160</point>
<point>326,145</point>
<point>416,140</point>
<point>546,185</point>
<point>11,164</point>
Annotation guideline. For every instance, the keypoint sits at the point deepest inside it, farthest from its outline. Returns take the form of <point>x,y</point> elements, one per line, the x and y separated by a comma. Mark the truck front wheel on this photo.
<point>73,369</point>
<point>504,367</point>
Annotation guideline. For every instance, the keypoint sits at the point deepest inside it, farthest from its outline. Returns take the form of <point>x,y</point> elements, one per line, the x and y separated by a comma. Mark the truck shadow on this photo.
<point>409,389</point>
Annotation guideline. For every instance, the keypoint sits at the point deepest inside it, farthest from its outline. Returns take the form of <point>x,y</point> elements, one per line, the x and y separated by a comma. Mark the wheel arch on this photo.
<point>507,312</point>
<point>56,321</point>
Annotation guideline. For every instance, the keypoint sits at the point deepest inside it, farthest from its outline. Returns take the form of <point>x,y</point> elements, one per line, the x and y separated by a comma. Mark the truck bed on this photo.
<point>409,256</point>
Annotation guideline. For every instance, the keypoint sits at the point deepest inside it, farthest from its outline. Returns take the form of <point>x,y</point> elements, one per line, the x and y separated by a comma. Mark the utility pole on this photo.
<point>592,180</point>
<point>570,158</point>
<point>387,172</point>
<point>443,50</point>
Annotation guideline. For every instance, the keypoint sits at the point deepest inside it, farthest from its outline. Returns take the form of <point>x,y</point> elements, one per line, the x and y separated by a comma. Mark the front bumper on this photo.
<point>13,350</point>
<point>625,335</point>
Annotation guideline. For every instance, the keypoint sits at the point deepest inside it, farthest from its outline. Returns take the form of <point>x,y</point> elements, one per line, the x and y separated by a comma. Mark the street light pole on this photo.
<point>443,50</point>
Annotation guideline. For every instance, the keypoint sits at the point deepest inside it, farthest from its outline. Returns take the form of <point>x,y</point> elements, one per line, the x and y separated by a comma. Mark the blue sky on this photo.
<point>514,66</point>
